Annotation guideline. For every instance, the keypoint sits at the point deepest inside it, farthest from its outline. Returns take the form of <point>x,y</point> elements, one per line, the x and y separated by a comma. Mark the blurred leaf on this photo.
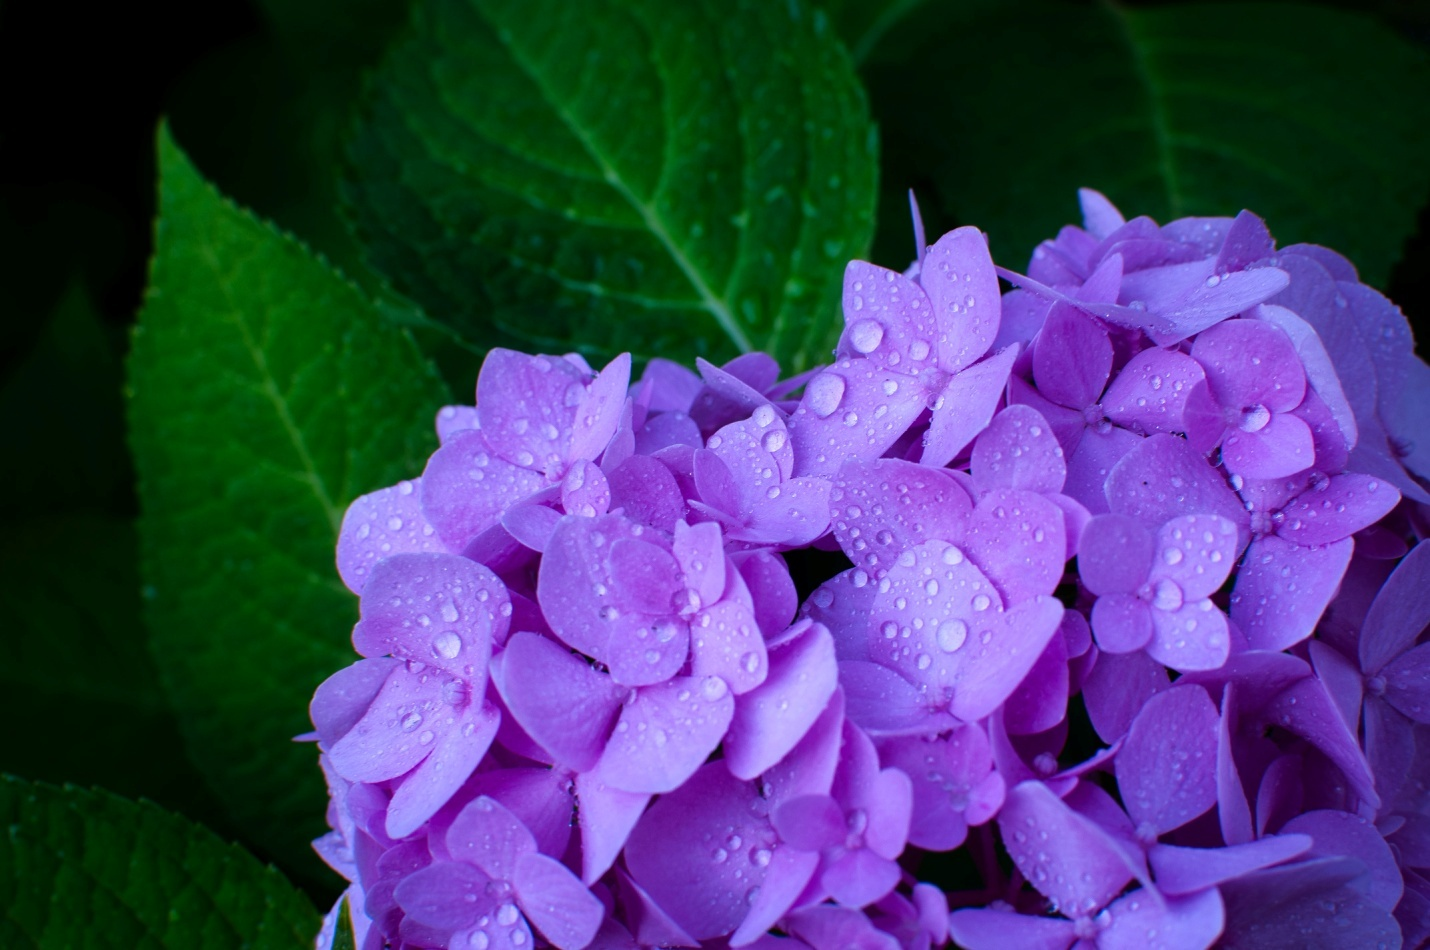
<point>83,869</point>
<point>343,937</point>
<point>673,178</point>
<point>267,392</point>
<point>1316,119</point>
<point>862,23</point>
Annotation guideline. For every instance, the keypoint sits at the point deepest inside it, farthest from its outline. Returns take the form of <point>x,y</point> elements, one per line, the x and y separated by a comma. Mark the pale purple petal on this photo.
<point>1251,363</point>
<point>1017,538</point>
<point>466,487</point>
<point>1247,241</point>
<point>859,877</point>
<point>1166,769</point>
<point>987,929</point>
<point>1072,358</point>
<point>607,816</point>
<point>965,405</point>
<point>1306,709</point>
<point>1115,554</point>
<point>554,899</point>
<point>527,406</point>
<point>599,412</point>
<point>672,386</point>
<point>1122,623</point>
<point>1320,368</point>
<point>1336,508</point>
<point>1150,393</point>
<point>1041,701</point>
<point>1284,446</point>
<point>1282,589</point>
<point>726,642</point>
<point>957,274</point>
<point>463,737</point>
<point>1276,909</point>
<point>792,514</point>
<point>585,490</point>
<point>342,699</point>
<point>388,740</point>
<point>446,895</point>
<point>1195,636</point>
<point>681,851</point>
<point>489,836</point>
<point>884,703</point>
<point>1399,613</point>
<point>666,732</point>
<point>1099,215</point>
<point>1092,461</point>
<point>1407,683</point>
<point>380,524</point>
<point>790,870</point>
<point>647,492</point>
<point>1187,923</point>
<point>565,705</point>
<point>771,718</point>
<point>872,528</point>
<point>1001,656</point>
<point>1118,687</point>
<point>885,315</point>
<point>454,419</point>
<point>771,590</point>
<point>1163,477</point>
<point>1188,870</point>
<point>1337,833</point>
<point>1077,865</point>
<point>810,822</point>
<point>1018,451</point>
<point>532,525</point>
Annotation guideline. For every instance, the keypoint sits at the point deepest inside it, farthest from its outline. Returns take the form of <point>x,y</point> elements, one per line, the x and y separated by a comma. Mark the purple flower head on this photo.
<point>1110,589</point>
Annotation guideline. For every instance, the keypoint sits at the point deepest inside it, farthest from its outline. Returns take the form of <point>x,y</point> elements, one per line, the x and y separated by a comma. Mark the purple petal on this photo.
<point>728,644</point>
<point>647,492</point>
<point>1195,636</point>
<point>1093,460</point>
<point>1150,393</point>
<point>700,850</point>
<point>454,419</point>
<point>1163,477</point>
<point>884,703</point>
<point>873,524</point>
<point>645,577</point>
<point>1018,451</point>
<point>461,743</point>
<point>825,926</point>
<point>1122,623</point>
<point>666,732</point>
<point>1320,369</point>
<point>792,514</point>
<point>1118,687</point>
<point>607,816</point>
<point>789,872</point>
<point>585,490</point>
<point>965,405</point>
<point>1279,907</point>
<point>1282,589</point>
<point>532,525</point>
<point>1204,234</point>
<point>1306,709</point>
<point>1400,612</point>
<point>810,822</point>
<point>1041,701</point>
<point>1017,538</point>
<point>487,835</point>
<point>771,718</point>
<point>854,409</point>
<point>1115,554</point>
<point>1099,215</point>
<point>466,487</point>
<point>700,553</point>
<point>446,895</point>
<point>396,732</point>
<point>1166,769</point>
<point>1251,363</point>
<point>553,899</point>
<point>1336,508</point>
<point>599,412</point>
<point>527,406</point>
<point>1188,923</point>
<point>889,806</point>
<point>1337,833</point>
<point>771,590</point>
<point>380,524</point>
<point>987,929</point>
<point>342,699</point>
<point>947,773</point>
<point>1206,305</point>
<point>1247,241</point>
<point>1072,358</point>
<point>859,877</point>
<point>1077,864</point>
<point>1284,446</point>
<point>1188,870</point>
<point>885,316</point>
<point>1104,284</point>
<point>1343,681</point>
<point>564,704</point>
<point>651,924</point>
<point>1002,656</point>
<point>957,274</point>
<point>672,386</point>
<point>539,797</point>
<point>1407,683</point>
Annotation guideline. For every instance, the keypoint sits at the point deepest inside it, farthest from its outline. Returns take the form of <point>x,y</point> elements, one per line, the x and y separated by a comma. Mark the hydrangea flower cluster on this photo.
<point>1089,613</point>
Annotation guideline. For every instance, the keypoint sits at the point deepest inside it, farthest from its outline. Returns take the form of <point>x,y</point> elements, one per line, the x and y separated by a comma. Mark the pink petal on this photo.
<point>666,732</point>
<point>771,718</point>
<point>957,274</point>
<point>460,745</point>
<point>554,899</point>
<point>1282,589</point>
<point>1018,451</point>
<point>645,577</point>
<point>466,487</point>
<point>965,406</point>
<point>1166,769</point>
<point>380,524</point>
<point>700,850</point>
<point>1072,358</point>
<point>564,704</point>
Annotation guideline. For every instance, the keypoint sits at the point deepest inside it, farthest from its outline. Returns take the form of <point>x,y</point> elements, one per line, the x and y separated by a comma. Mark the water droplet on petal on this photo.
<point>951,635</point>
<point>866,335</point>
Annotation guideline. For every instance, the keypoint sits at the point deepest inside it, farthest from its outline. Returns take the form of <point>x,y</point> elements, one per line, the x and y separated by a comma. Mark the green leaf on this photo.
<point>673,178</point>
<point>267,392</point>
<point>343,937</point>
<point>863,23</point>
<point>1316,119</point>
<point>82,869</point>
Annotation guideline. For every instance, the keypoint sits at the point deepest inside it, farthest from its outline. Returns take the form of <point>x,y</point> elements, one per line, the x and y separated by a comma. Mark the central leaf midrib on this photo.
<point>652,220</point>
<point>1161,130</point>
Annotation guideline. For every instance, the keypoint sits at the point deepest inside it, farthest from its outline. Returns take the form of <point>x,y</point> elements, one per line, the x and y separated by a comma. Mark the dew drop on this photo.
<point>951,635</point>
<point>447,645</point>
<point>824,393</point>
<point>866,335</point>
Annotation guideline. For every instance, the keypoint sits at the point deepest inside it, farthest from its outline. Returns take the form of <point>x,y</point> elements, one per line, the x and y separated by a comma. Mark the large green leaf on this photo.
<point>267,392</point>
<point>1317,119</point>
<point>82,869</point>
<point>670,177</point>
